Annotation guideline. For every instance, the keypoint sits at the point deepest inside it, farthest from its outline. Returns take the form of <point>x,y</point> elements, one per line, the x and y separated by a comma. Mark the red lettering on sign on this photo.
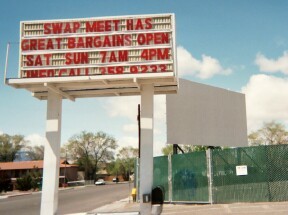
<point>153,38</point>
<point>76,58</point>
<point>71,43</point>
<point>122,56</point>
<point>38,61</point>
<point>112,70</point>
<point>29,59</point>
<point>97,41</point>
<point>59,27</point>
<point>48,58</point>
<point>41,44</point>
<point>89,41</point>
<point>58,40</point>
<point>103,25</point>
<point>138,24</point>
<point>103,54</point>
<point>106,42</point>
<point>40,73</point>
<point>50,44</point>
<point>116,24</point>
<point>47,28</point>
<point>129,24</point>
<point>67,28</point>
<point>155,54</point>
<point>146,68</point>
<point>33,44</point>
<point>80,43</point>
<point>25,45</point>
<point>76,26</point>
<point>148,23</point>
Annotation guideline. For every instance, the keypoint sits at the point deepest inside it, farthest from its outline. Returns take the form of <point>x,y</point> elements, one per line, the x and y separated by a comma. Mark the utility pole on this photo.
<point>139,129</point>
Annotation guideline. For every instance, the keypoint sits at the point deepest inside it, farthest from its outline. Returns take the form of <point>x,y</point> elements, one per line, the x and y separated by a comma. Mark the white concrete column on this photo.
<point>146,150</point>
<point>49,200</point>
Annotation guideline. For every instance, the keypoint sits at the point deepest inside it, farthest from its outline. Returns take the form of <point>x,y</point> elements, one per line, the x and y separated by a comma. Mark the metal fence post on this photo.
<point>170,177</point>
<point>210,174</point>
<point>137,181</point>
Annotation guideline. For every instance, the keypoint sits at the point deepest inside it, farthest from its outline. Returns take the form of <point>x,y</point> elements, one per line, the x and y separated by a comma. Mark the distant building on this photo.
<point>18,169</point>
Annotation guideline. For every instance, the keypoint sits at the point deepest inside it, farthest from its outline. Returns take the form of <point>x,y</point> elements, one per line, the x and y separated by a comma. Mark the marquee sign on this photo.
<point>142,44</point>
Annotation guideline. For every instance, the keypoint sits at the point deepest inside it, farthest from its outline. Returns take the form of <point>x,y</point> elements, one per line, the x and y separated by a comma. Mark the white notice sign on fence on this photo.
<point>241,170</point>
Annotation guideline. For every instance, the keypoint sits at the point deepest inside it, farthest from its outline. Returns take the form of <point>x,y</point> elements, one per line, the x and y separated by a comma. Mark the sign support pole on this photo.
<point>146,157</point>
<point>49,200</point>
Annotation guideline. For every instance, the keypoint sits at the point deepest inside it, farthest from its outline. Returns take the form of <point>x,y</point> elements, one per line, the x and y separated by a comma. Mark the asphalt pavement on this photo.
<point>126,205</point>
<point>71,200</point>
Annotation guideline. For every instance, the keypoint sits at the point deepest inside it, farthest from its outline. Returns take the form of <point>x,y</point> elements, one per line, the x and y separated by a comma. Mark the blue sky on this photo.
<point>237,45</point>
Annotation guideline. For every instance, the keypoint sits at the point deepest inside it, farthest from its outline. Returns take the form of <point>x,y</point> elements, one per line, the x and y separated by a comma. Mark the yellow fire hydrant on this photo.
<point>133,194</point>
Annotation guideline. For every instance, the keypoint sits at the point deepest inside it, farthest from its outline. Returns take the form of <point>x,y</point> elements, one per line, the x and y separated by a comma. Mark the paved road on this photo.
<point>70,201</point>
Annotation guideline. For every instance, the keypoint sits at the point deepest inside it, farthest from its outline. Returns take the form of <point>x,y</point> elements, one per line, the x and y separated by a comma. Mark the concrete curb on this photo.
<point>10,195</point>
<point>15,195</point>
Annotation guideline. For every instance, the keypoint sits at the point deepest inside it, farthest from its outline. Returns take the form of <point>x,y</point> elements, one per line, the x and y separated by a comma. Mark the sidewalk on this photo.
<point>271,208</point>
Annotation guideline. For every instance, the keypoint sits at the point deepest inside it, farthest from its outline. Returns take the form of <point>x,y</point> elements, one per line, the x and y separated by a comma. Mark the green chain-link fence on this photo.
<point>189,177</point>
<point>160,174</point>
<point>266,178</point>
<point>230,187</point>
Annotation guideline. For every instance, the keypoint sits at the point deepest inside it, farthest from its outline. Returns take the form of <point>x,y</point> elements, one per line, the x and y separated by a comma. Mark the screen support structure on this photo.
<point>49,200</point>
<point>146,156</point>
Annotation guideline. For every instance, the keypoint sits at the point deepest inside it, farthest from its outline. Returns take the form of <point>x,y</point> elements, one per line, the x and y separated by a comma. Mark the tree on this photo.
<point>91,149</point>
<point>35,152</point>
<point>271,133</point>
<point>9,146</point>
<point>167,150</point>
<point>124,164</point>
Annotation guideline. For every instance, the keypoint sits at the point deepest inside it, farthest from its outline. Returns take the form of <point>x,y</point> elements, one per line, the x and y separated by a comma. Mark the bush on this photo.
<point>24,183</point>
<point>5,182</point>
<point>29,181</point>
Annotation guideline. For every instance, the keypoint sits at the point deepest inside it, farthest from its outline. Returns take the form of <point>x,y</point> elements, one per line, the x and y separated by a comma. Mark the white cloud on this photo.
<point>130,128</point>
<point>123,107</point>
<point>205,68</point>
<point>128,141</point>
<point>272,65</point>
<point>127,107</point>
<point>266,100</point>
<point>1,132</point>
<point>36,140</point>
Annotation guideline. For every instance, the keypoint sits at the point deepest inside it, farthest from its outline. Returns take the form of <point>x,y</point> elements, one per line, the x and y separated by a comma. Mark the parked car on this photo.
<point>115,179</point>
<point>100,182</point>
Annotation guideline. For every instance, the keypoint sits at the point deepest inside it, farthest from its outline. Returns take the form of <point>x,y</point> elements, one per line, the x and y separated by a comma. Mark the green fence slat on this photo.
<point>189,177</point>
<point>160,174</point>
